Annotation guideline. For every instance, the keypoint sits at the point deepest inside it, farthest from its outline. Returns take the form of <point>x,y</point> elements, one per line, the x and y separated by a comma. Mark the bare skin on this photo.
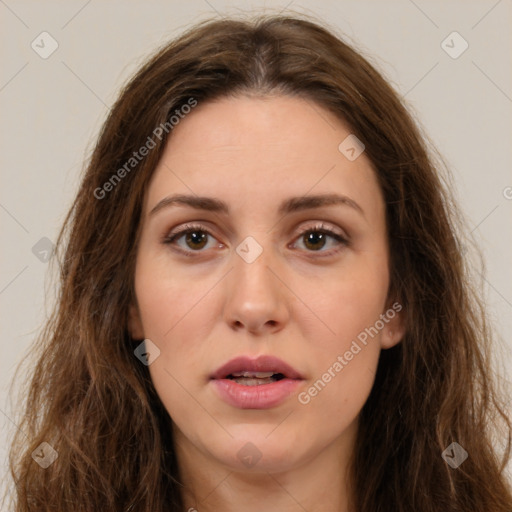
<point>304,300</point>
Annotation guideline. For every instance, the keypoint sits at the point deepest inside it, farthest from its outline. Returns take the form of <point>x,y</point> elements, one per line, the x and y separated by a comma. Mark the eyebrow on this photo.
<point>293,204</point>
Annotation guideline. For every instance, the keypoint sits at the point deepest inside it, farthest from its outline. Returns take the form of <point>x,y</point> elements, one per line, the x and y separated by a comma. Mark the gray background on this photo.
<point>53,108</point>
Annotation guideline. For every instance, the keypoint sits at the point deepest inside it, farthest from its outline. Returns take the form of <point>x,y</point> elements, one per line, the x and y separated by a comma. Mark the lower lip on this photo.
<point>263,396</point>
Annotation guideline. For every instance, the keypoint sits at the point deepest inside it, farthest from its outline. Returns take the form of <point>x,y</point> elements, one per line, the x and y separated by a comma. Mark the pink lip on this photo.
<point>260,364</point>
<point>263,396</point>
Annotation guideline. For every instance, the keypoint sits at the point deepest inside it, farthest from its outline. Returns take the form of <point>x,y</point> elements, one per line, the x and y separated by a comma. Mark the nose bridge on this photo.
<point>255,295</point>
<point>252,261</point>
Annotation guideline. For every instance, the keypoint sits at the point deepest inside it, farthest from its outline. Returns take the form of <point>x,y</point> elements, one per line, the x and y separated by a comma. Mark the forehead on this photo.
<point>258,151</point>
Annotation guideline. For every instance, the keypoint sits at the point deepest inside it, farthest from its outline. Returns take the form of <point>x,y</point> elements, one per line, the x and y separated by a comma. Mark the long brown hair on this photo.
<point>93,401</point>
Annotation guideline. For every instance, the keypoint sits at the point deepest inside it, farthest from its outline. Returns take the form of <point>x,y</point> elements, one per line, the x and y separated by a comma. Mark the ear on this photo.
<point>134,323</point>
<point>394,325</point>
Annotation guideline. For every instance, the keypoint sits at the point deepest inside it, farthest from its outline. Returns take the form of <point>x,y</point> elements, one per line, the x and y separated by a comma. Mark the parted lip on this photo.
<point>260,364</point>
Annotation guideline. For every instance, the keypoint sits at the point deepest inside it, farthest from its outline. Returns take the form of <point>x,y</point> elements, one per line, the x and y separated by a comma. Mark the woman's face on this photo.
<point>262,277</point>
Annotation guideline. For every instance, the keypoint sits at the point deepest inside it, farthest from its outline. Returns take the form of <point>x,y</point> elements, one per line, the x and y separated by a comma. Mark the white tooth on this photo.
<point>253,382</point>
<point>258,375</point>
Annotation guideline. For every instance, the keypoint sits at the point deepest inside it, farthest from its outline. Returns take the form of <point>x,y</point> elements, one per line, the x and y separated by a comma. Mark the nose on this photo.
<point>257,298</point>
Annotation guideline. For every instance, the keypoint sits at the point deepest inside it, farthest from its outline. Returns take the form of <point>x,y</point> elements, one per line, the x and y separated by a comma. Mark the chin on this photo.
<point>256,453</point>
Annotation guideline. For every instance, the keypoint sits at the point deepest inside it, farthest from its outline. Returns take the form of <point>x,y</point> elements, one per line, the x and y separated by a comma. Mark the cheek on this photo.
<point>333,401</point>
<point>345,303</point>
<point>173,318</point>
<point>344,360</point>
<point>345,345</point>
<point>176,315</point>
<point>165,297</point>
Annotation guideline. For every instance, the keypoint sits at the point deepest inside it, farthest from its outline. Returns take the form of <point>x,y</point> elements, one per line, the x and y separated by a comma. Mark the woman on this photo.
<point>264,305</point>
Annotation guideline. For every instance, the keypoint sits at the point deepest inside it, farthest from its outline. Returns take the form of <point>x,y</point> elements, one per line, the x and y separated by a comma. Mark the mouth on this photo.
<point>255,372</point>
<point>247,378</point>
<point>259,383</point>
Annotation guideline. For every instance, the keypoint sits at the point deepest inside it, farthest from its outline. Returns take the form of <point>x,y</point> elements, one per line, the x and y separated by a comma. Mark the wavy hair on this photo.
<point>94,403</point>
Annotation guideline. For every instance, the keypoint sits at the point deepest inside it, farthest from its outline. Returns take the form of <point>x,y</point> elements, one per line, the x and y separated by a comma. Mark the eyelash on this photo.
<point>319,228</point>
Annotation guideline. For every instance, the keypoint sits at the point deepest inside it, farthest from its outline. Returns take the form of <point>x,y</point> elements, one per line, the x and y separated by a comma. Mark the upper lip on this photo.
<point>260,364</point>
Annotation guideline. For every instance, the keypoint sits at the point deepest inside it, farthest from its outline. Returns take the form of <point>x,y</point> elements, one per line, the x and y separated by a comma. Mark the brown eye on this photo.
<point>316,238</point>
<point>195,238</point>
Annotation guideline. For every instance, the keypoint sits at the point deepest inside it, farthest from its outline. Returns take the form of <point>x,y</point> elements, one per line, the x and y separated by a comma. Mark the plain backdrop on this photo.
<point>52,109</point>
